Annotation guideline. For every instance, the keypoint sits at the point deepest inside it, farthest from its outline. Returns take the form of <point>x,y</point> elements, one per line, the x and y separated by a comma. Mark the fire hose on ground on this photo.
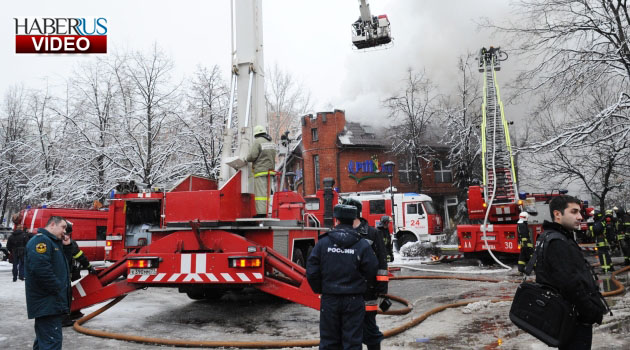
<point>78,325</point>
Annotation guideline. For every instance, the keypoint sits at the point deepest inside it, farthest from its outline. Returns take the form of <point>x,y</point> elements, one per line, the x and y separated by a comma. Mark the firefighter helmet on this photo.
<point>615,209</point>
<point>523,216</point>
<point>259,129</point>
<point>355,203</point>
<point>609,211</point>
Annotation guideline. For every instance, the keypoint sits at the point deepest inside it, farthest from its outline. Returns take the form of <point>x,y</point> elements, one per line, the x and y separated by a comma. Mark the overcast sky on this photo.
<point>309,39</point>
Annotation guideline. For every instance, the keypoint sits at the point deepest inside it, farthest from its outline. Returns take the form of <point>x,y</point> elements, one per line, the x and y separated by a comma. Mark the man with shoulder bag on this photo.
<point>562,270</point>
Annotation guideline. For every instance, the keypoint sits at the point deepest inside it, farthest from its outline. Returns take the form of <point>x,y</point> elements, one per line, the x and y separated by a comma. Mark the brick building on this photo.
<point>354,156</point>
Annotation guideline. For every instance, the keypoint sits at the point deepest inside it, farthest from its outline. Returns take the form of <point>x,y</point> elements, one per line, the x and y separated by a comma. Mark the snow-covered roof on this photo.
<point>355,134</point>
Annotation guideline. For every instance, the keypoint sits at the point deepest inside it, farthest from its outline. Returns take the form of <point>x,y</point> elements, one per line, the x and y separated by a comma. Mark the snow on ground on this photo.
<point>163,312</point>
<point>5,266</point>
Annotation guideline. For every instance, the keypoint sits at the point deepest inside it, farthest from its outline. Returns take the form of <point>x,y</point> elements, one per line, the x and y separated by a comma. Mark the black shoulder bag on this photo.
<point>540,310</point>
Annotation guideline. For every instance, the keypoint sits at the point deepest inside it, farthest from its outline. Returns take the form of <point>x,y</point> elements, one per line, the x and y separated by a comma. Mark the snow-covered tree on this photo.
<point>573,45</point>
<point>207,104</point>
<point>461,120</point>
<point>12,148</point>
<point>600,163</point>
<point>147,140</point>
<point>412,111</point>
<point>286,100</point>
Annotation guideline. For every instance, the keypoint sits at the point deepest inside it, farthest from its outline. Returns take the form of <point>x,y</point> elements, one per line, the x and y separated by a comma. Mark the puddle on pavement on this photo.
<point>481,331</point>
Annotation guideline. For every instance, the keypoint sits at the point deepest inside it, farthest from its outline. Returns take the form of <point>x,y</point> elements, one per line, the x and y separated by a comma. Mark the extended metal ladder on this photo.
<point>498,164</point>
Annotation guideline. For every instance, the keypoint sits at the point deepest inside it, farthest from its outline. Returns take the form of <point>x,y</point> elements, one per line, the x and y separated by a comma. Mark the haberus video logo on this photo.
<point>60,35</point>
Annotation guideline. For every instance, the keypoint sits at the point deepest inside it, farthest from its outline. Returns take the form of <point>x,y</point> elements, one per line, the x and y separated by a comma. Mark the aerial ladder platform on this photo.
<point>499,177</point>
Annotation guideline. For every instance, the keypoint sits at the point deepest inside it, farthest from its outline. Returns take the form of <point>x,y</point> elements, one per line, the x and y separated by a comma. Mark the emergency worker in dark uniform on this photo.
<point>16,245</point>
<point>78,261</point>
<point>611,230</point>
<point>561,264</point>
<point>262,155</point>
<point>376,287</point>
<point>383,227</point>
<point>48,293</point>
<point>524,240</point>
<point>338,268</point>
<point>603,249</point>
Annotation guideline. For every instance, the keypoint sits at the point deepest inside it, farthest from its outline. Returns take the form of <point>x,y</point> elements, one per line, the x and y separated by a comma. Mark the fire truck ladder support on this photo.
<point>499,178</point>
<point>286,280</point>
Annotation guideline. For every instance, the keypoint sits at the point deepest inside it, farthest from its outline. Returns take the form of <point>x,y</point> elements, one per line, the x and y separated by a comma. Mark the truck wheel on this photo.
<point>213,294</point>
<point>406,238</point>
<point>298,257</point>
<point>196,295</point>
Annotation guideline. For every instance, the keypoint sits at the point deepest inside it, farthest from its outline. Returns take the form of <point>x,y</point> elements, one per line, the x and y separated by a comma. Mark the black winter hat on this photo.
<point>343,211</point>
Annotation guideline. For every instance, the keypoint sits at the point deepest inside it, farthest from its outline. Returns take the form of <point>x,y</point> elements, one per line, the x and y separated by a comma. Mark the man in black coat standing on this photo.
<point>338,268</point>
<point>16,245</point>
<point>561,265</point>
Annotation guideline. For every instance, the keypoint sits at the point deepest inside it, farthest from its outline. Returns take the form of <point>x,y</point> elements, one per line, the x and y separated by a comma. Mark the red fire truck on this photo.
<point>415,217</point>
<point>204,242</point>
<point>88,226</point>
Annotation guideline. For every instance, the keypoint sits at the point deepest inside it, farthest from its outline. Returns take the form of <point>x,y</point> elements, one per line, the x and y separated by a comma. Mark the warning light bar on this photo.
<point>142,263</point>
<point>245,261</point>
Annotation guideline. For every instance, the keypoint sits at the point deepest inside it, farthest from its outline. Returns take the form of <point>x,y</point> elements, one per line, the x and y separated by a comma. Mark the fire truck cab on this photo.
<point>88,226</point>
<point>415,216</point>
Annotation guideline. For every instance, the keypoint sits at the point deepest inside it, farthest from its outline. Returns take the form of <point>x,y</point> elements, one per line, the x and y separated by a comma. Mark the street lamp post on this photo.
<point>389,167</point>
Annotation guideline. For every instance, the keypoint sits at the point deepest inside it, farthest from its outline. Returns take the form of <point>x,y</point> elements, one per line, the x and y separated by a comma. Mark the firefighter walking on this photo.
<point>524,240</point>
<point>603,249</point>
<point>262,155</point>
<point>338,268</point>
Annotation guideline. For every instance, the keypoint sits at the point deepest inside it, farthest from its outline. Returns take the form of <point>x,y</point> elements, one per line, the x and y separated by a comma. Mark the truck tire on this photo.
<point>298,257</point>
<point>196,295</point>
<point>406,238</point>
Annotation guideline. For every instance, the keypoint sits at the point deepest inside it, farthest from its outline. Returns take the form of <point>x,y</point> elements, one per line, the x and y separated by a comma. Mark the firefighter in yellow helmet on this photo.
<point>262,155</point>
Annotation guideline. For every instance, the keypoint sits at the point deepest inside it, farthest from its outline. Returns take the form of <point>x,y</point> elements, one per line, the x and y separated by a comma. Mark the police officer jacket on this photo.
<point>262,154</point>
<point>341,262</point>
<point>47,276</point>
<point>374,238</point>
<point>562,265</point>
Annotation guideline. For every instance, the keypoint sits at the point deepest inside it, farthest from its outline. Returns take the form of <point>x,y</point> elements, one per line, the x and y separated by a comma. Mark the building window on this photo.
<point>406,173</point>
<point>442,171</point>
<point>316,167</point>
<point>314,136</point>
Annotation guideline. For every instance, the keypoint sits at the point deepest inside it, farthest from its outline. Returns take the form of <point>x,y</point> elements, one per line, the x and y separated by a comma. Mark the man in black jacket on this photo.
<point>16,245</point>
<point>372,336</point>
<point>383,228</point>
<point>561,264</point>
<point>337,268</point>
